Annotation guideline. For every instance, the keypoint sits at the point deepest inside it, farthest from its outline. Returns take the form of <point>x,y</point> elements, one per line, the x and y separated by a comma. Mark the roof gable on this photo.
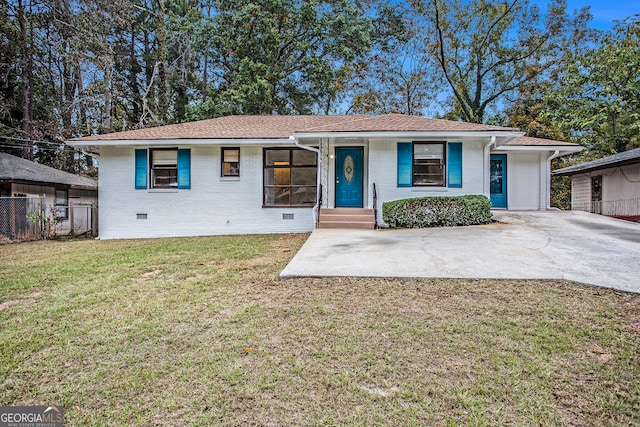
<point>14,168</point>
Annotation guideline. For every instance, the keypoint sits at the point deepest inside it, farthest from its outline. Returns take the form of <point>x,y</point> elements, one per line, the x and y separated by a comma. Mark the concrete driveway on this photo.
<point>575,246</point>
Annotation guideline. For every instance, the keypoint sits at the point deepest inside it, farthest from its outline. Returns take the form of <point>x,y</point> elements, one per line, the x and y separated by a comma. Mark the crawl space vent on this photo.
<point>141,216</point>
<point>287,216</point>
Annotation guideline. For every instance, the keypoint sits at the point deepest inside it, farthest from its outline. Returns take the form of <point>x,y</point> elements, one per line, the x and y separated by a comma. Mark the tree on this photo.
<point>596,97</point>
<point>47,44</point>
<point>394,80</point>
<point>10,113</point>
<point>487,49</point>
<point>528,112</point>
<point>282,56</point>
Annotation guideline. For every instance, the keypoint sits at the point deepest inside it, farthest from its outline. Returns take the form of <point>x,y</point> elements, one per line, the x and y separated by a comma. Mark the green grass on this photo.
<point>201,331</point>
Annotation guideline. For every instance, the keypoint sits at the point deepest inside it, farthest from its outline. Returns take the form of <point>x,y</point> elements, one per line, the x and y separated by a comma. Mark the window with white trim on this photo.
<point>230,161</point>
<point>429,164</point>
<point>164,168</point>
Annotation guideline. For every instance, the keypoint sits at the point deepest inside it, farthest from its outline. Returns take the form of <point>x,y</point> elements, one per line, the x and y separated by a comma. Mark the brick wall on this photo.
<point>383,171</point>
<point>213,205</point>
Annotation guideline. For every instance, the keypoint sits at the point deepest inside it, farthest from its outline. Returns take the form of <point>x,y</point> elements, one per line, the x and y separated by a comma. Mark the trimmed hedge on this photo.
<point>439,211</point>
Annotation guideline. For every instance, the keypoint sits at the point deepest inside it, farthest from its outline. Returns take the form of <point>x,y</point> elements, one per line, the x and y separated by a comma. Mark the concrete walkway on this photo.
<point>575,246</point>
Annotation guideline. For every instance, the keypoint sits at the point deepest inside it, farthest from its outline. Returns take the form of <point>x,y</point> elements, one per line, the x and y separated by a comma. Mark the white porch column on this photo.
<point>487,166</point>
<point>324,171</point>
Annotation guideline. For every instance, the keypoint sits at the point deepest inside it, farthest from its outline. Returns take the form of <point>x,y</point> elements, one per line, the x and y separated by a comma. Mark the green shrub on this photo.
<point>437,211</point>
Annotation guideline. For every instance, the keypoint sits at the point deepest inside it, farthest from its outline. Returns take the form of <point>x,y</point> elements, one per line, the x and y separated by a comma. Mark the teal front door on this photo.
<point>498,180</point>
<point>349,177</point>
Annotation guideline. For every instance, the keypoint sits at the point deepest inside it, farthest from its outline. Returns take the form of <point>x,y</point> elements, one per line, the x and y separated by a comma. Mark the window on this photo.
<point>230,161</point>
<point>429,164</point>
<point>162,168</point>
<point>61,204</point>
<point>290,177</point>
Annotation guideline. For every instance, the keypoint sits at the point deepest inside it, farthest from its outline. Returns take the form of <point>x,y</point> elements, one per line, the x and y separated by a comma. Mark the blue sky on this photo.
<point>604,11</point>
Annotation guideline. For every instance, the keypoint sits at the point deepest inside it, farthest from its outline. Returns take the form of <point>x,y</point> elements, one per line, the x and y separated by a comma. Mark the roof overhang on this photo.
<point>563,149</point>
<point>578,171</point>
<point>502,137</point>
<point>177,141</point>
<point>59,185</point>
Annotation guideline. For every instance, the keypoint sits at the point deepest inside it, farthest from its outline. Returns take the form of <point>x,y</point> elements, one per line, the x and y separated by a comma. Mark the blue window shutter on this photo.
<point>141,168</point>
<point>184,168</point>
<point>455,164</point>
<point>405,164</point>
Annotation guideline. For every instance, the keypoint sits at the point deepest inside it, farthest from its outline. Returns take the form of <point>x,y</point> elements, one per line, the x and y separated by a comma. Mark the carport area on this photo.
<point>576,246</point>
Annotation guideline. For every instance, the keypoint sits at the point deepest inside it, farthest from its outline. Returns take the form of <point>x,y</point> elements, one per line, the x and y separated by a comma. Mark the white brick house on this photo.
<point>267,174</point>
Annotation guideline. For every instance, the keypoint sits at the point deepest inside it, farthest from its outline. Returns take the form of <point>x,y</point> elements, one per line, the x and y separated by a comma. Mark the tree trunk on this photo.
<point>108,97</point>
<point>26,66</point>
<point>161,38</point>
<point>134,70</point>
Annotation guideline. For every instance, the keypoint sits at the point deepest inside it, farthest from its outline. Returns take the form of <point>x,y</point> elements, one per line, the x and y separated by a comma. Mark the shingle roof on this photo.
<point>274,126</point>
<point>626,157</point>
<point>402,123</point>
<point>14,168</point>
<point>226,127</point>
<point>529,141</point>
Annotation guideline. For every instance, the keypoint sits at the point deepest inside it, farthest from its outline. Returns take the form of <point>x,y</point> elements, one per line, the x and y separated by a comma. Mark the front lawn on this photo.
<point>201,331</point>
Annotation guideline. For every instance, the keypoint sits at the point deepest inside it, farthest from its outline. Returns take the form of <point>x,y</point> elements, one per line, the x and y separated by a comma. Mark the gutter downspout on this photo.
<point>316,207</point>
<point>487,165</point>
<point>548,179</point>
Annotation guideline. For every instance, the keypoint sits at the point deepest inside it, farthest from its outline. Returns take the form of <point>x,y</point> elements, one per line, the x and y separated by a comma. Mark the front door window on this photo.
<point>498,180</point>
<point>496,176</point>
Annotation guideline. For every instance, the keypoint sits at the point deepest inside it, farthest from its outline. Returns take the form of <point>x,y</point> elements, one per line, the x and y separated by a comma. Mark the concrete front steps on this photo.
<point>350,218</point>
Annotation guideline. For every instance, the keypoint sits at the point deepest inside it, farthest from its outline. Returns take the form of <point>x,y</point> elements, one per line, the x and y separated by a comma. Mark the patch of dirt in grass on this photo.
<point>7,304</point>
<point>151,273</point>
<point>379,391</point>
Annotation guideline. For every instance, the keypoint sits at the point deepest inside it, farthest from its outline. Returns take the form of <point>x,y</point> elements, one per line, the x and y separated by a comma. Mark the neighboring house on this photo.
<point>265,174</point>
<point>608,186</point>
<point>68,198</point>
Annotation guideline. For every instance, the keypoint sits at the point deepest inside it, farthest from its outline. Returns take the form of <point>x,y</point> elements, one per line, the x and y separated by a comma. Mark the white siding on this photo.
<point>581,192</point>
<point>213,205</point>
<point>618,183</point>
<point>525,181</point>
<point>621,183</point>
<point>35,190</point>
<point>383,171</point>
